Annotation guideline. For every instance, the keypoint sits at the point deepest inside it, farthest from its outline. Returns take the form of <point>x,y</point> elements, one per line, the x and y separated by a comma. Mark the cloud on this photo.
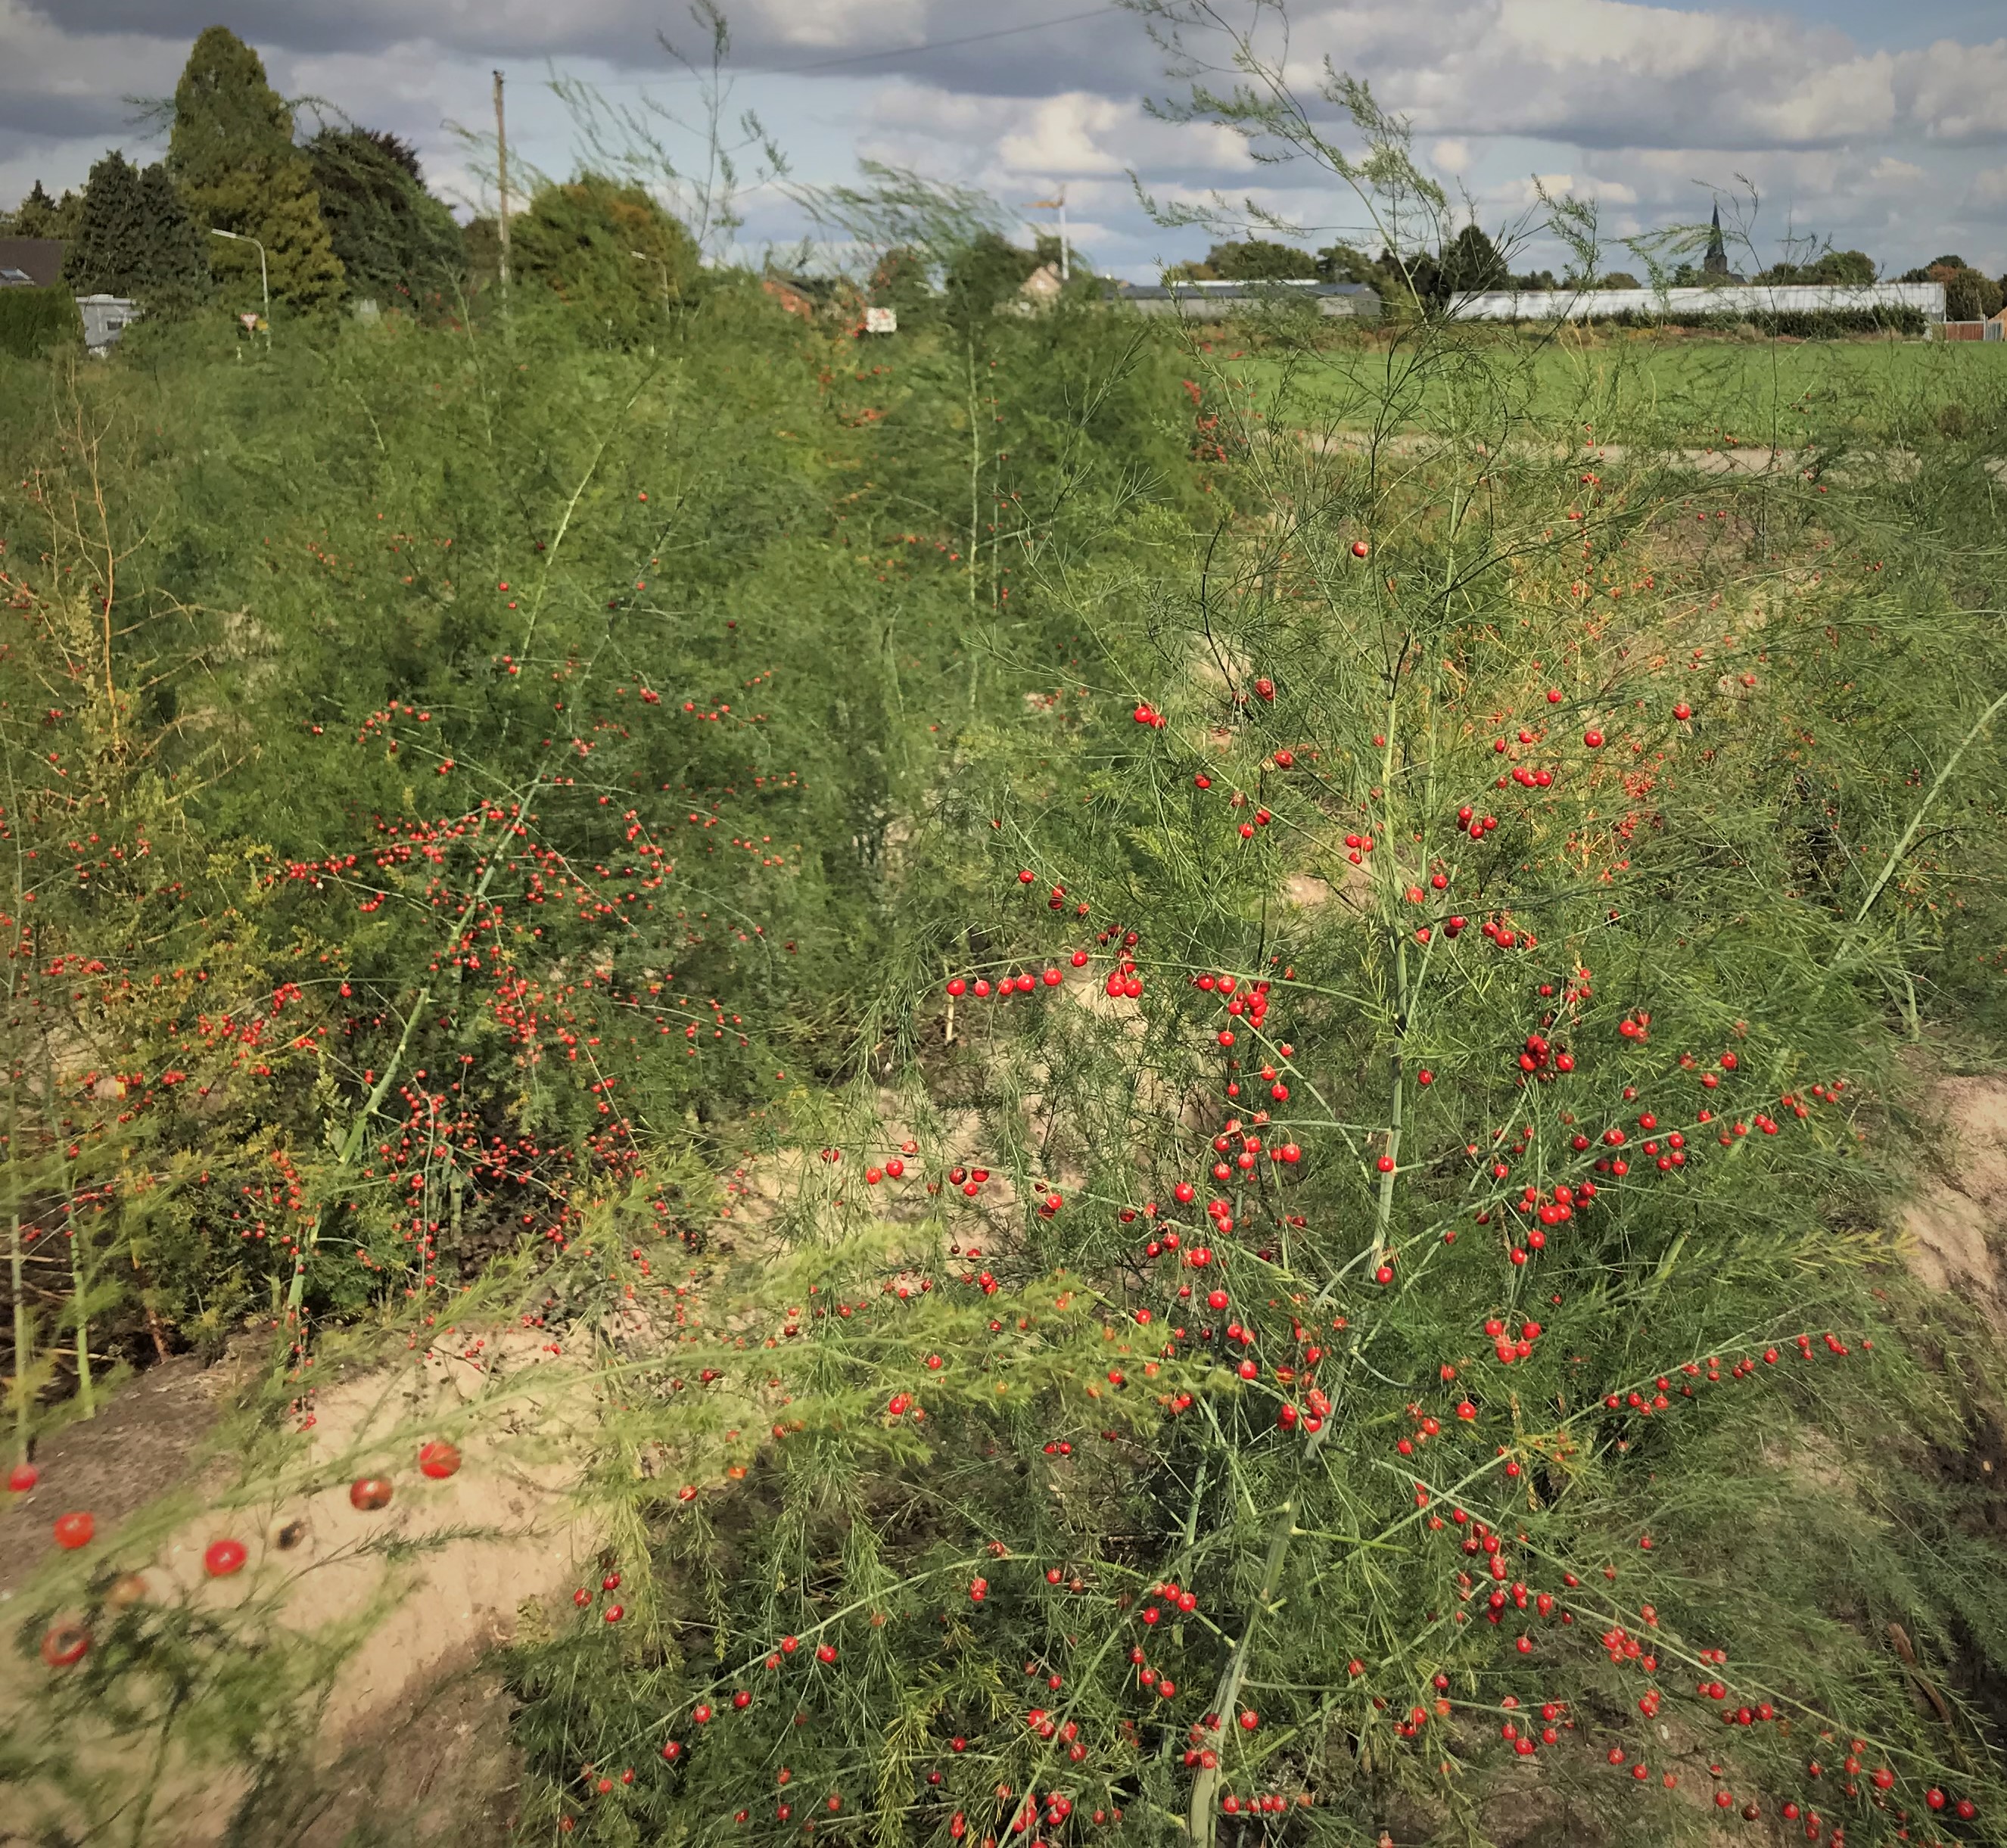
<point>1889,175</point>
<point>1451,155</point>
<point>1989,189</point>
<point>1953,92</point>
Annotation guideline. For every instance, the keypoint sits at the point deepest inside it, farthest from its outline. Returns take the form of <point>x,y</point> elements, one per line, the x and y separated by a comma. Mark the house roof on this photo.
<point>39,259</point>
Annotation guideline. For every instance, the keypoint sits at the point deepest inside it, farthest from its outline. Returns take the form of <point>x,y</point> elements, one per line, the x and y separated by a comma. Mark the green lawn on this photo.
<point>1696,390</point>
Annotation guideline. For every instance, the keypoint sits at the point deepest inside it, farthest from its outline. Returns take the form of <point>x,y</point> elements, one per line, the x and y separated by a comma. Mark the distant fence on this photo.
<point>1994,330</point>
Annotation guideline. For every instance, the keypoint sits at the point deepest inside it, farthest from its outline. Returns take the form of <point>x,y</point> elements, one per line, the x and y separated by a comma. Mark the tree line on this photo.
<point>1471,263</point>
<point>343,215</point>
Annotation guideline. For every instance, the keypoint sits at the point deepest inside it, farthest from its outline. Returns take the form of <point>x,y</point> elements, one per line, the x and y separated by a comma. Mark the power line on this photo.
<point>938,45</point>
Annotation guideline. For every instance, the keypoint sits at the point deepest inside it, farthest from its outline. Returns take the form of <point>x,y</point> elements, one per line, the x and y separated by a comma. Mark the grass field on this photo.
<point>1696,390</point>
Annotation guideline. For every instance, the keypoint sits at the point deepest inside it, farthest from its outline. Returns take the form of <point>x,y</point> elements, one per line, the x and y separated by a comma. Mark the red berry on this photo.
<point>1359,549</point>
<point>74,1530</point>
<point>223,1558</point>
<point>1593,740</point>
<point>438,1459</point>
<point>369,1493</point>
<point>66,1644</point>
<point>22,1477</point>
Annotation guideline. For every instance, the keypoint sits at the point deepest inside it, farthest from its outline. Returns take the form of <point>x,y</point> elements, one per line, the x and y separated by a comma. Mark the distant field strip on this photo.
<point>1739,460</point>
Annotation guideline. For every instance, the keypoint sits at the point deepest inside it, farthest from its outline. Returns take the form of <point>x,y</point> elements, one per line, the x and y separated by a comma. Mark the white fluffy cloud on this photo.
<point>1872,143</point>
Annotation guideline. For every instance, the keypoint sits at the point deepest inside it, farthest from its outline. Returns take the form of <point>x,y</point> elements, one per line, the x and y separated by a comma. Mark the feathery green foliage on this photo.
<point>1208,1093</point>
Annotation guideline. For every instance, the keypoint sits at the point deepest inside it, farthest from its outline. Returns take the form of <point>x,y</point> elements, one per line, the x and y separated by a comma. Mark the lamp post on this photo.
<point>264,275</point>
<point>642,256</point>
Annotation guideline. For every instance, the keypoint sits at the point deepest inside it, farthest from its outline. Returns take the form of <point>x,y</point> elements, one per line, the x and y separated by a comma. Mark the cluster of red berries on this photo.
<point>1020,982</point>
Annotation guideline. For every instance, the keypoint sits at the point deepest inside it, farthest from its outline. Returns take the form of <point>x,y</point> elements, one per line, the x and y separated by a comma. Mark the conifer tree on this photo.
<point>39,216</point>
<point>231,153</point>
<point>175,276</point>
<point>395,240</point>
<point>111,227</point>
<point>134,238</point>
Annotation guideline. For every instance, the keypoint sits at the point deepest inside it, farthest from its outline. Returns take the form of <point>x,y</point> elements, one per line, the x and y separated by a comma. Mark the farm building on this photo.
<point>1738,301</point>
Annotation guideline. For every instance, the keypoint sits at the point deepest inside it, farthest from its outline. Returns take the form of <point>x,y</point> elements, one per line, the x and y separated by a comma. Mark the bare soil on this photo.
<point>138,1448</point>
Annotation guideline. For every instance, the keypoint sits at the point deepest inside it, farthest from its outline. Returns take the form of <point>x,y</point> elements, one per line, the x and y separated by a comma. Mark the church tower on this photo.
<point>1714,266</point>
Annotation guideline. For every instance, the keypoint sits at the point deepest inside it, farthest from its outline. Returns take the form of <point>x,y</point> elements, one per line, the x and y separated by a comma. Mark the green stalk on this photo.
<point>24,1332</point>
<point>79,1283</point>
<point>85,1391</point>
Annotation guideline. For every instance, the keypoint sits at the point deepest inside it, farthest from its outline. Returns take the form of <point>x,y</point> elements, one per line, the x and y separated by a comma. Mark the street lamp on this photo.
<point>641,256</point>
<point>264,275</point>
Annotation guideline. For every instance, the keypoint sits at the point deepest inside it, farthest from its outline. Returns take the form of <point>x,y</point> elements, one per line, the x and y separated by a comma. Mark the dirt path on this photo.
<point>425,1587</point>
<point>138,1448</point>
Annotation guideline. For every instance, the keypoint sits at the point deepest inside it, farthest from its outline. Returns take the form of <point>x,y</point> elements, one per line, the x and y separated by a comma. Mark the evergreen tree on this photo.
<point>32,216</point>
<point>175,276</point>
<point>395,240</point>
<point>1471,264</point>
<point>134,238</point>
<point>39,216</point>
<point>111,229</point>
<point>231,153</point>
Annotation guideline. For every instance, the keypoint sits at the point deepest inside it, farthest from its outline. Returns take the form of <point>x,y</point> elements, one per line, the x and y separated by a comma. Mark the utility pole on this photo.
<point>502,178</point>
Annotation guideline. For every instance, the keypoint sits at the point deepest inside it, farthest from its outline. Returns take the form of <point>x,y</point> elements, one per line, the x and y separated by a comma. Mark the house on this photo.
<point>1043,286</point>
<point>1217,301</point>
<point>31,262</point>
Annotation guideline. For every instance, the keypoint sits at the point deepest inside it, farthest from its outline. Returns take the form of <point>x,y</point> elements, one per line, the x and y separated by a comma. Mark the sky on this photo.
<point>1881,127</point>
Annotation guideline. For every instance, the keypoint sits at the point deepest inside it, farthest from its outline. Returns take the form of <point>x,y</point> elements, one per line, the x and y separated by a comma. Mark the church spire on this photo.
<point>1715,266</point>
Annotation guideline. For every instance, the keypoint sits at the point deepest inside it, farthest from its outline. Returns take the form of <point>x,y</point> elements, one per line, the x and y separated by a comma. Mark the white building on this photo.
<point>1740,301</point>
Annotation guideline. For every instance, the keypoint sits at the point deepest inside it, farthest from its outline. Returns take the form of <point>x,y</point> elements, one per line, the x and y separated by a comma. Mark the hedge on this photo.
<point>32,319</point>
